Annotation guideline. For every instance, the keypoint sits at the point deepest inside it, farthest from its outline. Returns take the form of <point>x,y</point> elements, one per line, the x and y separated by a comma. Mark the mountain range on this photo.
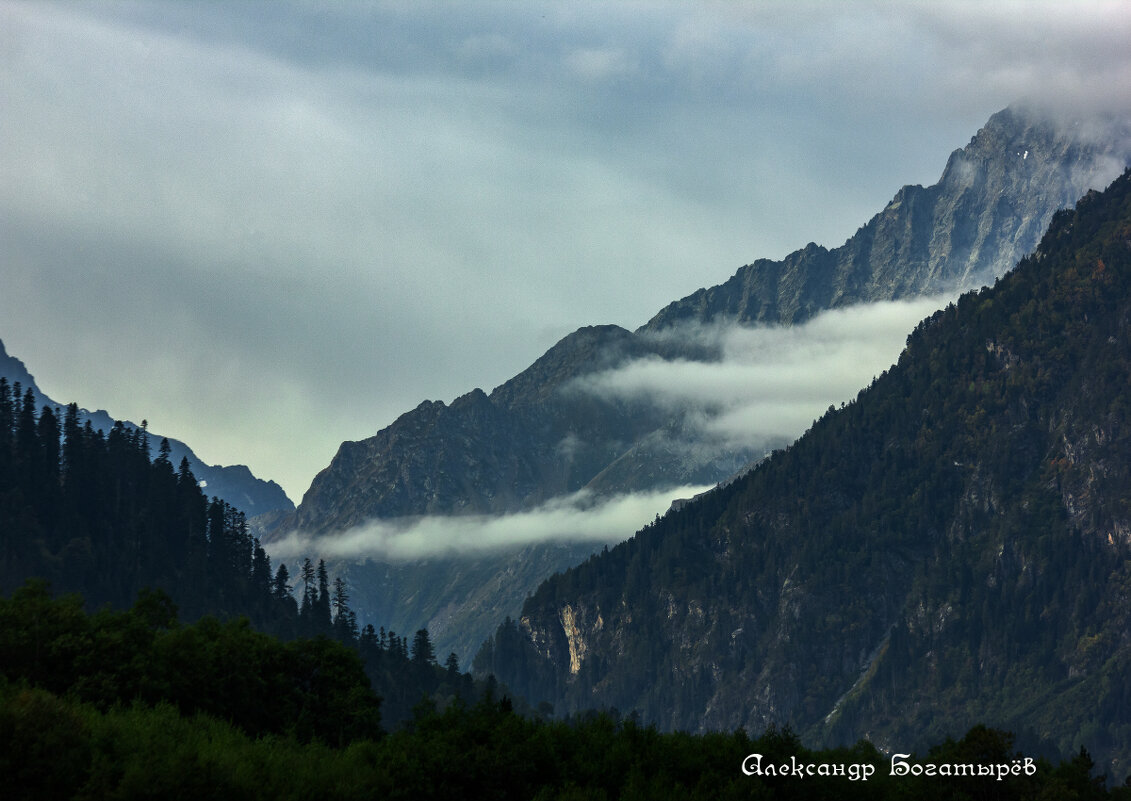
<point>952,547</point>
<point>235,483</point>
<point>542,436</point>
<point>532,438</point>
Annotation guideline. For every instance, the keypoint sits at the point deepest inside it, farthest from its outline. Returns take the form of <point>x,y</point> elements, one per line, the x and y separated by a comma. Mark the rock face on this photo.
<point>953,547</point>
<point>234,483</point>
<point>535,437</point>
<point>994,200</point>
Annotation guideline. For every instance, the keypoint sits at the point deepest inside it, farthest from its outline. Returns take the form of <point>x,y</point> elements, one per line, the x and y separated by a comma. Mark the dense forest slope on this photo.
<point>953,546</point>
<point>234,483</point>
<point>93,515</point>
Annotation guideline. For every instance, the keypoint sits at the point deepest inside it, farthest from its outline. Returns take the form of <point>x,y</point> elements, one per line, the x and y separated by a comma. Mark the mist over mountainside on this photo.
<point>575,421</point>
<point>952,547</point>
<point>234,483</point>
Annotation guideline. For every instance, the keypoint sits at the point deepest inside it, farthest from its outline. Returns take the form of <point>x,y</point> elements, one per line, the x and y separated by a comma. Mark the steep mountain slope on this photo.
<point>952,547</point>
<point>459,599</point>
<point>235,483</point>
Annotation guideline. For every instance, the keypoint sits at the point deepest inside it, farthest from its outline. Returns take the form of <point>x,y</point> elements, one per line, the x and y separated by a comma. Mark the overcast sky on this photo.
<point>268,228</point>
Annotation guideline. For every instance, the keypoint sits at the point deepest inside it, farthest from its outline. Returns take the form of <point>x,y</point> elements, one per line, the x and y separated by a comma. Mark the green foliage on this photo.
<point>58,747</point>
<point>45,747</point>
<point>311,689</point>
<point>136,705</point>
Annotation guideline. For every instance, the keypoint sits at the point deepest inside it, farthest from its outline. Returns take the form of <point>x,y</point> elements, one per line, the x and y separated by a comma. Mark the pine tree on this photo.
<point>261,568</point>
<point>422,651</point>
<point>27,440</point>
<point>48,432</point>
<point>281,585</point>
<point>308,594</point>
<point>240,543</point>
<point>72,442</point>
<point>46,489</point>
<point>163,451</point>
<point>219,553</point>
<point>345,622</point>
<point>322,601</point>
<point>7,425</point>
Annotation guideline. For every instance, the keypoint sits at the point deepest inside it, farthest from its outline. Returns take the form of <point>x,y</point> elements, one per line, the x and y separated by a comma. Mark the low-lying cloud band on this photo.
<point>579,517</point>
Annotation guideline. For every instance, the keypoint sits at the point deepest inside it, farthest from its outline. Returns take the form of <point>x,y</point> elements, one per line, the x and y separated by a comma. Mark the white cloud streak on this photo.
<point>770,382</point>
<point>576,518</point>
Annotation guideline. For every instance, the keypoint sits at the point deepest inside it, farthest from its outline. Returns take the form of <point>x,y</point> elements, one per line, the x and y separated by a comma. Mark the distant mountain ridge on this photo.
<point>235,484</point>
<point>535,438</point>
<point>952,547</point>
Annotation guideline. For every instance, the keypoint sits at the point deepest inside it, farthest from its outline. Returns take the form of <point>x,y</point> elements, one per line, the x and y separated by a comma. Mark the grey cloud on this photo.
<point>768,383</point>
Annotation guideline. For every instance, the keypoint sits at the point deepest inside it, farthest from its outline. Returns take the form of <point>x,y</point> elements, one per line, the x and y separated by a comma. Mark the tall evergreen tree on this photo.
<point>261,567</point>
<point>219,553</point>
<point>27,441</point>
<point>46,489</point>
<point>281,586</point>
<point>7,427</point>
<point>307,610</point>
<point>345,621</point>
<point>322,602</point>
<point>422,651</point>
<point>72,457</point>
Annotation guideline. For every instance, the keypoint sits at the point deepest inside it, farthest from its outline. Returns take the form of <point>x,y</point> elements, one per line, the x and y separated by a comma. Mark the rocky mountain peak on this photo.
<point>994,199</point>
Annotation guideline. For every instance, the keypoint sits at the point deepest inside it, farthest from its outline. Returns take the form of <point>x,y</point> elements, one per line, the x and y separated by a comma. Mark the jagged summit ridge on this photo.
<point>989,208</point>
<point>504,451</point>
